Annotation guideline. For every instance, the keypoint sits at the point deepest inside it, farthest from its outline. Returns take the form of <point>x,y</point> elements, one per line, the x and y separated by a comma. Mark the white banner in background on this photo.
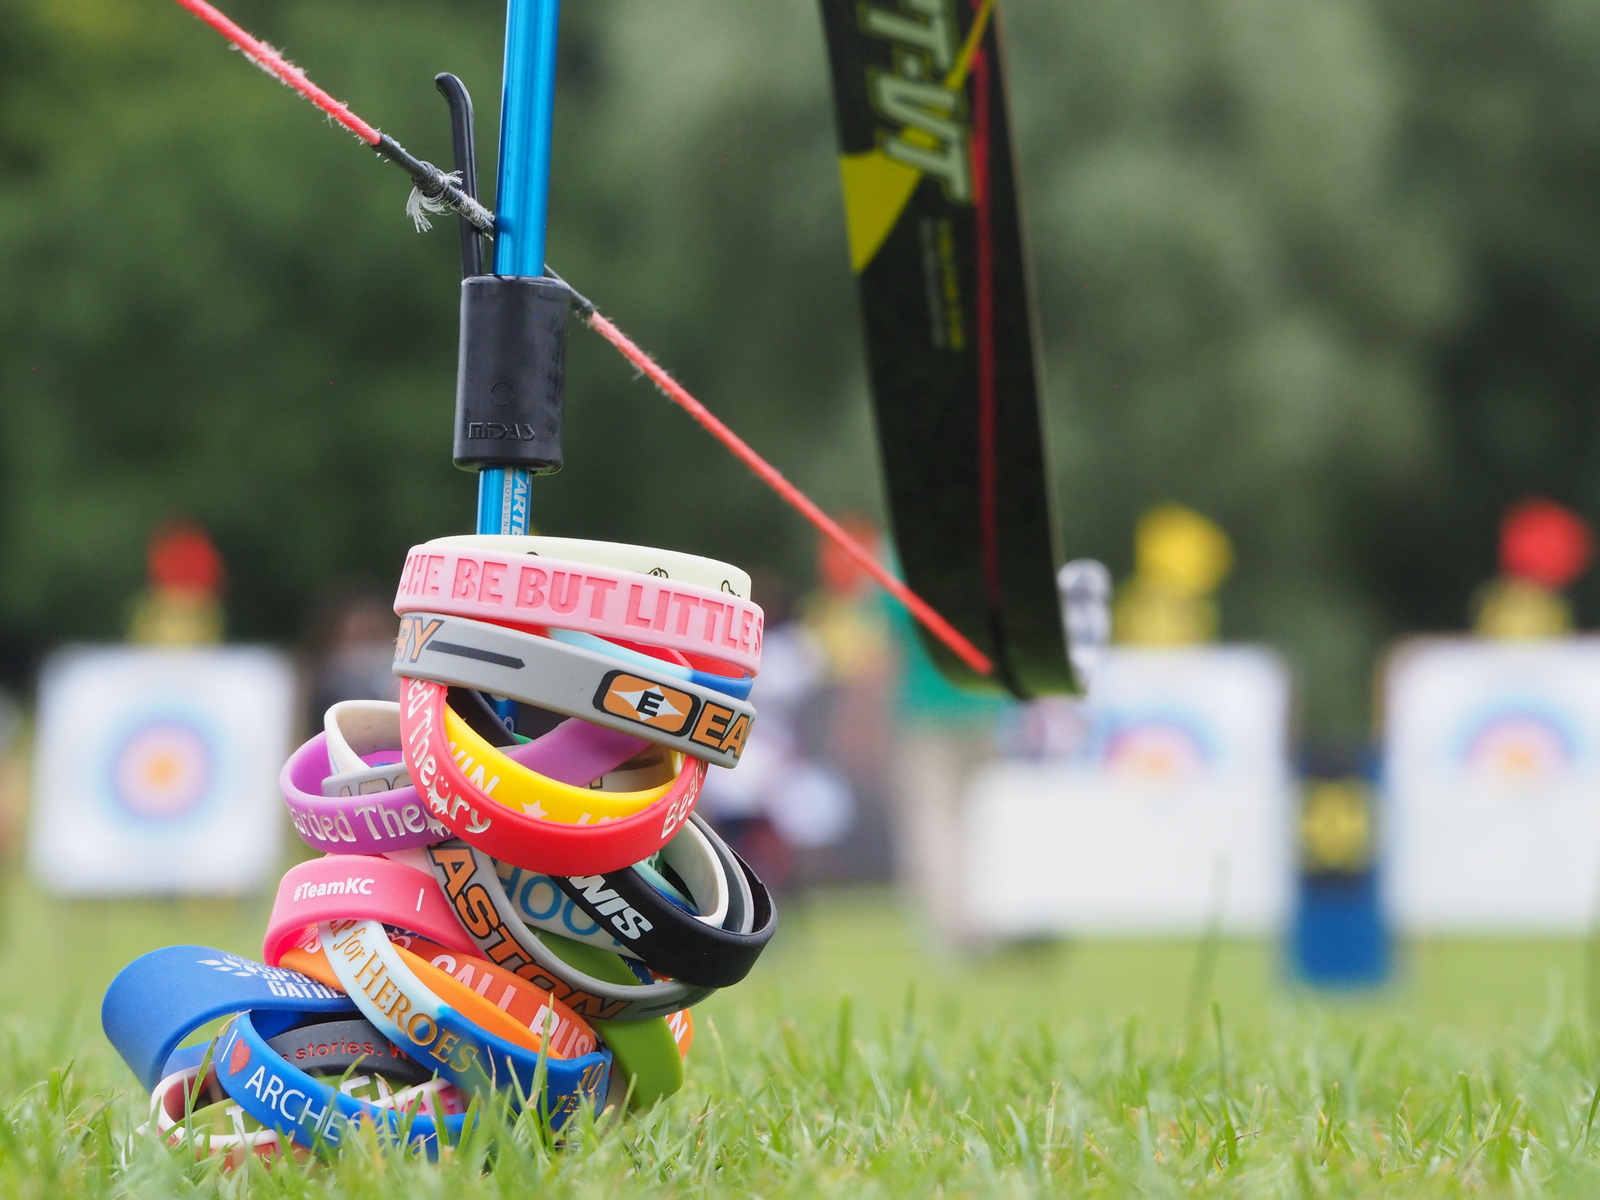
<point>156,770</point>
<point>1493,778</point>
<point>1171,812</point>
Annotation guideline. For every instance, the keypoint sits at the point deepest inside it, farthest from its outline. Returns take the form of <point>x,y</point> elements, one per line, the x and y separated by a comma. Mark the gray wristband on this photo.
<point>336,1046</point>
<point>626,696</point>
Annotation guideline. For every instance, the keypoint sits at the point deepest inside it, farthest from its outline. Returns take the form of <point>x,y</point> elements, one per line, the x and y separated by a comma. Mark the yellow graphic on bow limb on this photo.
<point>876,191</point>
<point>958,70</point>
<point>876,187</point>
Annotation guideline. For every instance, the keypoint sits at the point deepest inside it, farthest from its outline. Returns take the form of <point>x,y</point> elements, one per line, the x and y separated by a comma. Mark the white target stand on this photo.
<point>1492,769</point>
<point>1169,813</point>
<point>155,770</point>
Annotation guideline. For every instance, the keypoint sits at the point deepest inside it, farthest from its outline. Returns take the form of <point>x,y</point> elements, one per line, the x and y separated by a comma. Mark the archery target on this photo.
<point>1155,749</point>
<point>162,770</point>
<point>1170,813</point>
<point>155,770</point>
<point>1493,777</point>
<point>1518,749</point>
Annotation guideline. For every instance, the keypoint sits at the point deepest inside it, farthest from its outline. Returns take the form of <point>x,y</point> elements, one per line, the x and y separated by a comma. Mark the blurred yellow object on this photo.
<point>1516,609</point>
<point>1180,558</point>
<point>1183,552</point>
<point>1146,614</point>
<point>1336,826</point>
<point>176,617</point>
<point>853,635</point>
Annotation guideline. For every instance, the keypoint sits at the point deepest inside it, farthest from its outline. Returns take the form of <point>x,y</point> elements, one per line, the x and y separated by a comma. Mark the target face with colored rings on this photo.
<point>1517,749</point>
<point>1156,750</point>
<point>162,769</point>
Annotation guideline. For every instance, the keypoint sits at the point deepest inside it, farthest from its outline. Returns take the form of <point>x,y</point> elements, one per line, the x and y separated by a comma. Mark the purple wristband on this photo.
<point>574,752</point>
<point>363,823</point>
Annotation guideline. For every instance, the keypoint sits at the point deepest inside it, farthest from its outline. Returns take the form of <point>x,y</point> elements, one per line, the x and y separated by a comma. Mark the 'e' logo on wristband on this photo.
<point>645,701</point>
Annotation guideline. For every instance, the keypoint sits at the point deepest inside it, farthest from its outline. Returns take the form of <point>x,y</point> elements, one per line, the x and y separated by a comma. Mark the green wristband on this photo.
<point>645,1051</point>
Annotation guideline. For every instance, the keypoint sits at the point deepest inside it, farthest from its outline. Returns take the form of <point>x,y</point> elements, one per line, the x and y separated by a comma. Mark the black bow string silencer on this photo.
<point>511,373</point>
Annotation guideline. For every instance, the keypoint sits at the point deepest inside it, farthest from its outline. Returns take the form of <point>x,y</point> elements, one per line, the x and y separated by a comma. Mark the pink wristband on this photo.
<point>520,589</point>
<point>360,887</point>
<point>377,822</point>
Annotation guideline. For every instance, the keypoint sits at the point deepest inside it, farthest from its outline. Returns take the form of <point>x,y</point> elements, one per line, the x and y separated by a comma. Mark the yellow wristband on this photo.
<point>510,783</point>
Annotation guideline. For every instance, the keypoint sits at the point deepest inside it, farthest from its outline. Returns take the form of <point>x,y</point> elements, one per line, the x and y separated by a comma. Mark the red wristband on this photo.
<point>341,887</point>
<point>547,847</point>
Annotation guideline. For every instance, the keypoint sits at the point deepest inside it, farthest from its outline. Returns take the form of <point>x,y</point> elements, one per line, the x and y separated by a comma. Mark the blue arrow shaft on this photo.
<point>527,106</point>
<point>526,109</point>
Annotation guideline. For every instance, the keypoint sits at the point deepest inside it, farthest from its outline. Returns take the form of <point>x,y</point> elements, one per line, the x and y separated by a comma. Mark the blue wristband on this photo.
<point>162,997</point>
<point>568,1082</point>
<point>185,1057</point>
<point>400,1005</point>
<point>311,1111</point>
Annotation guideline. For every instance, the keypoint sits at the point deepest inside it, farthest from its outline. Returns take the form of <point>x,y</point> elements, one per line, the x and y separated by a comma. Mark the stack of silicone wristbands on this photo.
<point>515,898</point>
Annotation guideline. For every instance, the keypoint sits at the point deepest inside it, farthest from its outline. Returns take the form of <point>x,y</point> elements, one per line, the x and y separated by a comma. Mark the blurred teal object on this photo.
<point>924,696</point>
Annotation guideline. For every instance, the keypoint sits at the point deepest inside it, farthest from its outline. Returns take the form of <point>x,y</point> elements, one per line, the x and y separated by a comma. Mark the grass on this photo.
<point>859,1061</point>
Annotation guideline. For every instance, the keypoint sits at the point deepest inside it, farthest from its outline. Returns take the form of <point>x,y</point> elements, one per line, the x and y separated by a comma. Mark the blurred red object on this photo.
<point>1544,542</point>
<point>183,559</point>
<point>840,573</point>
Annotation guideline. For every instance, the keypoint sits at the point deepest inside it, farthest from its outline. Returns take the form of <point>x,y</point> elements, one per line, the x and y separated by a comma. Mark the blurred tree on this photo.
<point>1240,291</point>
<point>1502,140</point>
<point>215,305</point>
<point>1325,271</point>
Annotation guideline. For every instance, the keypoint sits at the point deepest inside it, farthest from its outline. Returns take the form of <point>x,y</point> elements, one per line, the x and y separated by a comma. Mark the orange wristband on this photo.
<point>489,996</point>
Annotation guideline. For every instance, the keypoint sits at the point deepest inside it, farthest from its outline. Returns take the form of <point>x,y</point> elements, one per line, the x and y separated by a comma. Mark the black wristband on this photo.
<point>741,899</point>
<point>335,1046</point>
<point>759,911</point>
<point>665,937</point>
